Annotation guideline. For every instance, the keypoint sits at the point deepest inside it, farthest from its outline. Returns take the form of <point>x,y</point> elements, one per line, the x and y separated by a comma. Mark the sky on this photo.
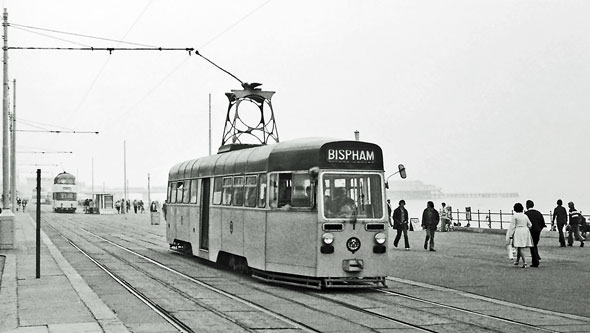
<point>471,96</point>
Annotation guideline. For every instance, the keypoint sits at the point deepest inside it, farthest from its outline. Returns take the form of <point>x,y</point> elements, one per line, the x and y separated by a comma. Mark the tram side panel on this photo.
<point>291,242</point>
<point>255,238</point>
<point>232,231</point>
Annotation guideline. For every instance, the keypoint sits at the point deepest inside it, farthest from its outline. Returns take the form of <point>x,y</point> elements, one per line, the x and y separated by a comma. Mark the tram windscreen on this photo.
<point>352,195</point>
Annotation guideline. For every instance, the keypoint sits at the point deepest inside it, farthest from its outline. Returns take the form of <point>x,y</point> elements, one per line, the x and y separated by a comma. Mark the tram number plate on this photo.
<point>352,265</point>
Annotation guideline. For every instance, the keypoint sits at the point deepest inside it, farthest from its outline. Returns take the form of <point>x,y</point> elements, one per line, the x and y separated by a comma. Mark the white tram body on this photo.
<point>65,198</point>
<point>308,212</point>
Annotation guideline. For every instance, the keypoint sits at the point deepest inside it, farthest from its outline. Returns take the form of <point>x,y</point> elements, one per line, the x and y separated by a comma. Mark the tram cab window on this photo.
<point>194,191</point>
<point>217,190</point>
<point>290,190</point>
<point>227,191</point>
<point>250,194</point>
<point>262,191</point>
<point>350,195</point>
<point>238,199</point>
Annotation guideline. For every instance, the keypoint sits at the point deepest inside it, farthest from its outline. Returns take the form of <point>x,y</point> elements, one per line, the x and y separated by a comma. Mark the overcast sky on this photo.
<point>472,96</point>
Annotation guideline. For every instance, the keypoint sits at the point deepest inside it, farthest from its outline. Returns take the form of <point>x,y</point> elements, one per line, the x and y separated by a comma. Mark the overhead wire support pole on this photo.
<point>5,138</point>
<point>13,148</point>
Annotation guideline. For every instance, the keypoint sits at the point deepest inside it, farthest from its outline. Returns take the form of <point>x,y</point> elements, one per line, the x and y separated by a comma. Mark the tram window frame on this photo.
<point>238,191</point>
<point>227,191</point>
<point>250,187</point>
<point>194,190</point>
<point>262,190</point>
<point>217,190</point>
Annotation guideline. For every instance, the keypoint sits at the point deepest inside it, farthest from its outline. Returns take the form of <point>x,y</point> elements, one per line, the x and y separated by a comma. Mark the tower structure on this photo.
<point>243,129</point>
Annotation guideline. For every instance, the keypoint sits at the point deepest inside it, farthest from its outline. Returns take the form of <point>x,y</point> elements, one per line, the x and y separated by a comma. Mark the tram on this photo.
<point>308,212</point>
<point>64,193</point>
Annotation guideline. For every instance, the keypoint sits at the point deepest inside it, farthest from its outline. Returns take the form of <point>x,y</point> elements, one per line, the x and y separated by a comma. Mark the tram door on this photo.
<point>204,232</point>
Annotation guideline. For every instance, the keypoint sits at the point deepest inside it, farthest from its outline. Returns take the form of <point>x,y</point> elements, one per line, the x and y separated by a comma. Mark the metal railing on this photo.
<point>492,220</point>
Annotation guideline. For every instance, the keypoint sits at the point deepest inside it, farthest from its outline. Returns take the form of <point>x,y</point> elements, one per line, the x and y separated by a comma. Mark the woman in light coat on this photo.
<point>519,233</point>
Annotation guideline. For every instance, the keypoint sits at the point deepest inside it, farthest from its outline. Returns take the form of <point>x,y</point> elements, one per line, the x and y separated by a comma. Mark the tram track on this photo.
<point>334,299</point>
<point>178,324</point>
<point>471,312</point>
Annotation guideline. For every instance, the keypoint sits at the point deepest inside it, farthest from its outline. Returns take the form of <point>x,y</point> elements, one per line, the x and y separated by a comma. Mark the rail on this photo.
<point>492,220</point>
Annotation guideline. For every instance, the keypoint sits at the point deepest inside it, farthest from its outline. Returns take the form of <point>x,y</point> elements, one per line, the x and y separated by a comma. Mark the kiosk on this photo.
<point>103,203</point>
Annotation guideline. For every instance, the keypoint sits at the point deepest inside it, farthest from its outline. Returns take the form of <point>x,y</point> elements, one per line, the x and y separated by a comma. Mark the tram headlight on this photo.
<point>328,238</point>
<point>380,238</point>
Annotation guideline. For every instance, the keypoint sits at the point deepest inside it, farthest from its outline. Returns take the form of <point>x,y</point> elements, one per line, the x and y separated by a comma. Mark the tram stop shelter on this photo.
<point>103,203</point>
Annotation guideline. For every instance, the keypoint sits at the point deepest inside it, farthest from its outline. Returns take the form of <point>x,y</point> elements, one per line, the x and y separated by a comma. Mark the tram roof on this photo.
<point>300,154</point>
<point>63,175</point>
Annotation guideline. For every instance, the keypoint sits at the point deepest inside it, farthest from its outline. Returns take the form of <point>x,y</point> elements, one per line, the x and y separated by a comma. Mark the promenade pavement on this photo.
<point>472,262</point>
<point>58,301</point>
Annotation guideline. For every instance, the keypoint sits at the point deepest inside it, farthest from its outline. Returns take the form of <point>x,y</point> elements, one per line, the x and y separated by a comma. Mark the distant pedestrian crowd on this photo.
<point>524,230</point>
<point>124,206</point>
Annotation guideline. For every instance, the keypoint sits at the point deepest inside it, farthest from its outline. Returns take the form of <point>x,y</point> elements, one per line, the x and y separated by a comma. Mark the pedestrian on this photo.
<point>400,221</point>
<point>430,219</point>
<point>164,207</point>
<point>519,233</point>
<point>18,202</point>
<point>511,249</point>
<point>445,220</point>
<point>574,224</point>
<point>560,214</point>
<point>537,225</point>
<point>127,204</point>
<point>24,204</point>
<point>389,211</point>
<point>118,206</point>
<point>135,206</point>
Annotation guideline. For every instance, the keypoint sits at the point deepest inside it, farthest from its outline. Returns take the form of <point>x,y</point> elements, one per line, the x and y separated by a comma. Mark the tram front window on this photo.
<point>350,195</point>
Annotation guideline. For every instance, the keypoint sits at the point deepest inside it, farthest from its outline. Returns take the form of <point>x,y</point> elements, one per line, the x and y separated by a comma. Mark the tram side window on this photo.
<point>227,191</point>
<point>262,191</point>
<point>238,199</point>
<point>169,194</point>
<point>250,195</point>
<point>217,190</point>
<point>173,192</point>
<point>179,191</point>
<point>186,192</point>
<point>194,192</point>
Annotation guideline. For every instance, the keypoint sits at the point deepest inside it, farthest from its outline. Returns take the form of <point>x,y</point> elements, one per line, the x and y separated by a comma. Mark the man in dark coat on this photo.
<point>560,214</point>
<point>430,219</point>
<point>538,223</point>
<point>400,218</point>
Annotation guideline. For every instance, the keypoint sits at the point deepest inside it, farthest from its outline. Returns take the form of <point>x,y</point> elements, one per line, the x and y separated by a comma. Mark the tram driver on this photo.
<point>340,205</point>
